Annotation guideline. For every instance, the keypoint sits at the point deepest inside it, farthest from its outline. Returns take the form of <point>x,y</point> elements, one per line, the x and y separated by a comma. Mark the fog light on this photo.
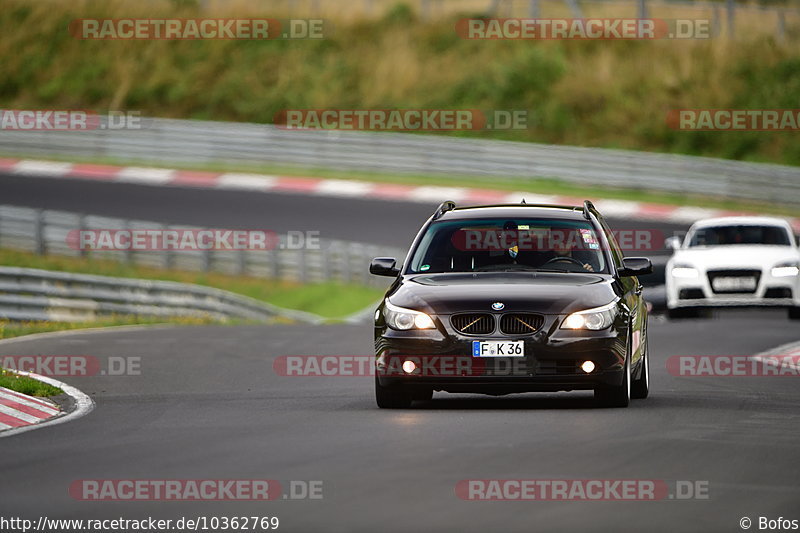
<point>587,367</point>
<point>409,366</point>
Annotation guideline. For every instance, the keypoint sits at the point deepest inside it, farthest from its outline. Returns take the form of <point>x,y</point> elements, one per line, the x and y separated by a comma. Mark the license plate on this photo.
<point>734,284</point>
<point>498,348</point>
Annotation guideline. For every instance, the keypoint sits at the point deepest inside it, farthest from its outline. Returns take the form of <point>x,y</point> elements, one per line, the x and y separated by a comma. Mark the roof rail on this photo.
<point>588,207</point>
<point>443,208</point>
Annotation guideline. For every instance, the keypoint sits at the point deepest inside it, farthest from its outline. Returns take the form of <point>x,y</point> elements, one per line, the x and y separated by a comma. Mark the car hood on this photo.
<point>538,292</point>
<point>735,256</point>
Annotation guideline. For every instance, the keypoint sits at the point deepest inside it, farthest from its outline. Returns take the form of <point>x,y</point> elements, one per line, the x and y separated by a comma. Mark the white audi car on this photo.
<point>734,261</point>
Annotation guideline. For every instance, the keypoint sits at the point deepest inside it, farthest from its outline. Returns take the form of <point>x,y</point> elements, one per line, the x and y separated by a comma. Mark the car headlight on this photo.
<point>684,271</point>
<point>594,319</point>
<point>785,269</point>
<point>404,319</point>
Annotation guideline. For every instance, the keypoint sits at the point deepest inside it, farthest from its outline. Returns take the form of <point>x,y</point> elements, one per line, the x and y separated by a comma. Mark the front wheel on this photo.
<point>616,395</point>
<point>794,313</point>
<point>391,397</point>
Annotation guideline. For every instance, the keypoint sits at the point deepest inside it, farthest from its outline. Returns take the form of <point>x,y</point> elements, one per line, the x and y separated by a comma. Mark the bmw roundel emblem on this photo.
<point>498,306</point>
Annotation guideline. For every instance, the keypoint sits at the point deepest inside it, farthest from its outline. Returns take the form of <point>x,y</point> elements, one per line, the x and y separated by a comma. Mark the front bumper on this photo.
<point>444,361</point>
<point>698,292</point>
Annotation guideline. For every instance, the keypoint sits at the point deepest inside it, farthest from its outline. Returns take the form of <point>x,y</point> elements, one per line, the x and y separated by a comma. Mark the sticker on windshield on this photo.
<point>588,238</point>
<point>423,268</point>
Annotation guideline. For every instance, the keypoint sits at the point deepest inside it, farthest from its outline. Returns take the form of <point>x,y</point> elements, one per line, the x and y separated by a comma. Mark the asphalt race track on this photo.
<point>208,405</point>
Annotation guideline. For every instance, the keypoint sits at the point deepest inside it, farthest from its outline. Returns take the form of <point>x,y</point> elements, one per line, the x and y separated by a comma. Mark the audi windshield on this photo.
<point>749,234</point>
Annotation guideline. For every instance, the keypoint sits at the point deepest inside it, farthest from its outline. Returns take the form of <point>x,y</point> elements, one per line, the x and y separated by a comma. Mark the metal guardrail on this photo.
<point>166,141</point>
<point>46,232</point>
<point>33,294</point>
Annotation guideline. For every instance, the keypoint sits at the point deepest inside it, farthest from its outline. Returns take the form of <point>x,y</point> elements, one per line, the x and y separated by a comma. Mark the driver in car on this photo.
<point>563,252</point>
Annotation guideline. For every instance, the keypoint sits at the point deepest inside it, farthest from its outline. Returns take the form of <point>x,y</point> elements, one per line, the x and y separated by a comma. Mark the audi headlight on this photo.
<point>404,319</point>
<point>684,271</point>
<point>785,269</point>
<point>593,319</point>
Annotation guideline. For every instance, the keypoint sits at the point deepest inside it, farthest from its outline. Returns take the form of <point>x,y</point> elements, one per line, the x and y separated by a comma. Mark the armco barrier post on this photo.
<point>206,255</point>
<point>128,253</point>
<point>81,227</point>
<point>325,264</point>
<point>274,263</point>
<point>303,265</point>
<point>38,232</point>
<point>642,9</point>
<point>346,271</point>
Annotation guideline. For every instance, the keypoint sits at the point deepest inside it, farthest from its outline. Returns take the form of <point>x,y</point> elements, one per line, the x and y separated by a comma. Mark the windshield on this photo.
<point>502,245</point>
<point>741,234</point>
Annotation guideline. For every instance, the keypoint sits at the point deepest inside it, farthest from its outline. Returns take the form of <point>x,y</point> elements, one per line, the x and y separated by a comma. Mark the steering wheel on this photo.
<point>564,259</point>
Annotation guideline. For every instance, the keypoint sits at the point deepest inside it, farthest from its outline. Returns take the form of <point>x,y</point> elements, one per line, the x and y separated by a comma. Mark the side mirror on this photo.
<point>672,243</point>
<point>384,266</point>
<point>635,266</point>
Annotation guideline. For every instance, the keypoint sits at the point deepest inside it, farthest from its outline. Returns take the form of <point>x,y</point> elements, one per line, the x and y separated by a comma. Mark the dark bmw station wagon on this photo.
<point>508,299</point>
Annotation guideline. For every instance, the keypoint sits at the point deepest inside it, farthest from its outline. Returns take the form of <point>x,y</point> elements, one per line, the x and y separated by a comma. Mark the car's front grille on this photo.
<point>473,323</point>
<point>747,281</point>
<point>520,323</point>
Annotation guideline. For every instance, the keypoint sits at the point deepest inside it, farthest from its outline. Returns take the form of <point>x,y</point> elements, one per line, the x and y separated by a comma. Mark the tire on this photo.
<point>794,313</point>
<point>391,397</point>
<point>682,312</point>
<point>616,395</point>
<point>640,387</point>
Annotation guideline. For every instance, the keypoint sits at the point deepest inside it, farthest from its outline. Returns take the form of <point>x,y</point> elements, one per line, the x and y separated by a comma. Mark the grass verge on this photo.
<point>329,299</point>
<point>25,385</point>
<point>9,329</point>
<point>583,92</point>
